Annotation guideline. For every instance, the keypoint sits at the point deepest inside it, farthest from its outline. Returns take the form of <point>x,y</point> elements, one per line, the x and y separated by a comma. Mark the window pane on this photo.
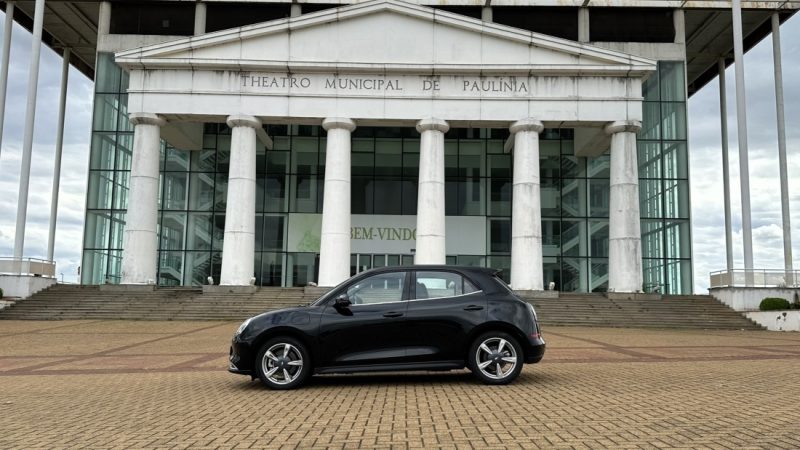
<point>500,195</point>
<point>381,288</point>
<point>471,160</point>
<point>171,231</point>
<point>276,199</point>
<point>388,157</point>
<point>103,151</point>
<point>649,159</point>
<point>651,121</point>
<point>500,236</point>
<point>676,160</point>
<point>550,159</point>
<point>177,160</point>
<point>676,199</point>
<point>170,271</point>
<point>598,198</point>
<point>201,192</point>
<point>650,198</point>
<point>106,111</point>
<point>672,81</point>
<point>573,199</point>
<point>198,268</point>
<point>121,185</point>
<point>438,284</point>
<point>199,233</point>
<point>100,190</point>
<point>678,239</point>
<point>175,190</point>
<point>98,225</point>
<point>124,151</point>
<point>107,75</point>
<point>652,238</point>
<point>271,269</point>
<point>673,121</point>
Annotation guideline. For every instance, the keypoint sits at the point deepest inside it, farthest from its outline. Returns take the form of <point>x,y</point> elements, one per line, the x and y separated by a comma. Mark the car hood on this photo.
<point>296,315</point>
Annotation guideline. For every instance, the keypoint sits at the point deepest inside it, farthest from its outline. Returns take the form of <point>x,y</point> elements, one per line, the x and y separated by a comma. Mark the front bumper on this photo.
<point>240,359</point>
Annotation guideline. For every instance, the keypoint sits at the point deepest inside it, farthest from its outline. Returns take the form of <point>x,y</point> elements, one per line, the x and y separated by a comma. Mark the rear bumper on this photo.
<point>534,351</point>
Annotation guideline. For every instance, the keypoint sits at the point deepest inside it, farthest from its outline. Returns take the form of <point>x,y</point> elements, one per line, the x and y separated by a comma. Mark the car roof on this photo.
<point>473,269</point>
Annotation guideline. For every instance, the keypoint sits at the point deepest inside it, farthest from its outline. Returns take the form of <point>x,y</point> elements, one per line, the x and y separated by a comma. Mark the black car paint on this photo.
<point>409,334</point>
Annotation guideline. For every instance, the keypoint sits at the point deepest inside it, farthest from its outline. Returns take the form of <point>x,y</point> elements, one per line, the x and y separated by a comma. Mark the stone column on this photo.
<point>238,247</point>
<point>334,251</point>
<point>430,197</point>
<point>199,18</point>
<point>140,243</point>
<point>526,213</point>
<point>624,229</point>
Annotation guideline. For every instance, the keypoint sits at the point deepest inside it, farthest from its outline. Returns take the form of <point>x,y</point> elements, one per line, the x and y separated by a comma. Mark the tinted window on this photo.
<point>432,284</point>
<point>381,288</point>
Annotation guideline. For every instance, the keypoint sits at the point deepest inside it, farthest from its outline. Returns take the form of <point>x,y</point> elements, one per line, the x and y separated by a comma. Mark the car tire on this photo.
<point>283,363</point>
<point>495,357</point>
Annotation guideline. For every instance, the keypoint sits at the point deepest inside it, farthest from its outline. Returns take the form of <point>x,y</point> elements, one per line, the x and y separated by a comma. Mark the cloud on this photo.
<point>69,225</point>
<point>706,162</point>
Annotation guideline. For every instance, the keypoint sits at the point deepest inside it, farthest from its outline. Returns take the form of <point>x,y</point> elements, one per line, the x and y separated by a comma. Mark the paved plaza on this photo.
<point>115,384</point>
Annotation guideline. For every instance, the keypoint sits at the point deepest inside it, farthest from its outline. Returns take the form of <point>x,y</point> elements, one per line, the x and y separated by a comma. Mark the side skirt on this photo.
<point>440,365</point>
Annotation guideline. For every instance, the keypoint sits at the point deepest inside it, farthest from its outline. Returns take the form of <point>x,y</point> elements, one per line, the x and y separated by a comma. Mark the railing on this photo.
<point>27,266</point>
<point>755,278</point>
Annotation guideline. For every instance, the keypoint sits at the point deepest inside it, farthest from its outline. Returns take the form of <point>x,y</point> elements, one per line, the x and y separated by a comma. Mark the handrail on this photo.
<point>755,278</point>
<point>27,266</point>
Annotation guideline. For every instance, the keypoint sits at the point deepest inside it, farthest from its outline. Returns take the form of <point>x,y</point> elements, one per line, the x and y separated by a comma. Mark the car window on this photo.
<point>433,284</point>
<point>380,288</point>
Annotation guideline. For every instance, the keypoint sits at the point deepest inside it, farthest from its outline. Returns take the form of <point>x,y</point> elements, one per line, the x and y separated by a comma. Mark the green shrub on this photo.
<point>774,304</point>
<point>1,292</point>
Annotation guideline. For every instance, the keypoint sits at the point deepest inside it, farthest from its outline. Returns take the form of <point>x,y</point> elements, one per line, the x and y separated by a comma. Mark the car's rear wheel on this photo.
<point>495,358</point>
<point>283,363</point>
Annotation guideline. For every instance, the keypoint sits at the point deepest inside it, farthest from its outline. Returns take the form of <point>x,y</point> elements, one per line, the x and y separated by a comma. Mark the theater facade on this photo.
<point>310,148</point>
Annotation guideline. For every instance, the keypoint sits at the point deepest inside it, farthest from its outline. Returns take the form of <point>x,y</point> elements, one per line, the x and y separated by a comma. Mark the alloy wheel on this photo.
<point>496,358</point>
<point>282,363</point>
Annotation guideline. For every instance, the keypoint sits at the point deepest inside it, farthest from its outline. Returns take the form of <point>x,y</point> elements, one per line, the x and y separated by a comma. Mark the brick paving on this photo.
<point>117,384</point>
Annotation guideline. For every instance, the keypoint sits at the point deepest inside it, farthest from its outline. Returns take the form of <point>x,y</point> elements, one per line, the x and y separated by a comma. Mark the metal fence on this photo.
<point>27,266</point>
<point>755,278</point>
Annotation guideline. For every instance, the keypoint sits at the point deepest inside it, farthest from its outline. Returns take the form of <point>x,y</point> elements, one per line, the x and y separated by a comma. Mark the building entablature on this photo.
<point>428,63</point>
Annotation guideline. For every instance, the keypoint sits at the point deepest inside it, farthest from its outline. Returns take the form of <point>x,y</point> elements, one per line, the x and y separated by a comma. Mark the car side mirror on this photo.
<point>342,301</point>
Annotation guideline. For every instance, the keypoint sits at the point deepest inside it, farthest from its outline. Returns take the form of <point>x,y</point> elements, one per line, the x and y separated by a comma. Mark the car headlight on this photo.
<point>243,326</point>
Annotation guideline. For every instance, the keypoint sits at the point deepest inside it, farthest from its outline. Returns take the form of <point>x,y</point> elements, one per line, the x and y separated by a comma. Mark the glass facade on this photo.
<point>385,165</point>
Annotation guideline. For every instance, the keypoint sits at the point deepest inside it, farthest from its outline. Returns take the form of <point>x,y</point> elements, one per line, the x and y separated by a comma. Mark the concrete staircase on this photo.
<point>670,311</point>
<point>62,302</point>
<point>186,303</point>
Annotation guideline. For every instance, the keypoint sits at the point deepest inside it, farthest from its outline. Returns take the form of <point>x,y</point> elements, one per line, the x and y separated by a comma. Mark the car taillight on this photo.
<point>535,335</point>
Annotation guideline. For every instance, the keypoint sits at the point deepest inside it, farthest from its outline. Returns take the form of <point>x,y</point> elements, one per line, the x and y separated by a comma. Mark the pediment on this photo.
<point>383,36</point>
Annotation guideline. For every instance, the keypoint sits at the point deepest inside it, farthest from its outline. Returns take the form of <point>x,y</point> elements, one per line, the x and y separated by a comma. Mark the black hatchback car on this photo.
<point>395,318</point>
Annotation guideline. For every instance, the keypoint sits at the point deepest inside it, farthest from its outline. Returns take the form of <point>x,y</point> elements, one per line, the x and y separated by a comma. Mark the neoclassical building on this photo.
<point>280,144</point>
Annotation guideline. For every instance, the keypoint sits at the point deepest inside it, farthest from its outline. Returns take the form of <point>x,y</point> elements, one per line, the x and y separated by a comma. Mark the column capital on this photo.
<point>432,123</point>
<point>141,118</point>
<point>334,123</point>
<point>620,126</point>
<point>528,124</point>
<point>242,120</point>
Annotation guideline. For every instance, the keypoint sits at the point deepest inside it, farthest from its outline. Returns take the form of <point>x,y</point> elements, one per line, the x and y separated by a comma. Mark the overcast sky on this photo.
<point>704,147</point>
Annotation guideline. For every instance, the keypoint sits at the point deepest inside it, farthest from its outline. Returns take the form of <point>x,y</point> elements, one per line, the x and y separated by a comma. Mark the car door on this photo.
<point>443,308</point>
<point>369,331</point>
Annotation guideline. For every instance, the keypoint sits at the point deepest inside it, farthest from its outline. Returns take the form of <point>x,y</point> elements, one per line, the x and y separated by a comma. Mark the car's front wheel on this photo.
<point>495,358</point>
<point>283,363</point>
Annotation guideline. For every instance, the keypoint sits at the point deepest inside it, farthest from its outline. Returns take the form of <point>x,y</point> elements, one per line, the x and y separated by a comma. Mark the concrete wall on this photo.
<point>23,286</point>
<point>776,320</point>
<point>748,298</point>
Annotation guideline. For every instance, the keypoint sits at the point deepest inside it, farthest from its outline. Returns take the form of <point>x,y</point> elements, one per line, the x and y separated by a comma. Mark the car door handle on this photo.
<point>473,308</point>
<point>393,314</point>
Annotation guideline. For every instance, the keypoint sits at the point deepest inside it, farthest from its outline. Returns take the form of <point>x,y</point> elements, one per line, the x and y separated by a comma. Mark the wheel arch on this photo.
<point>505,327</point>
<point>282,331</point>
